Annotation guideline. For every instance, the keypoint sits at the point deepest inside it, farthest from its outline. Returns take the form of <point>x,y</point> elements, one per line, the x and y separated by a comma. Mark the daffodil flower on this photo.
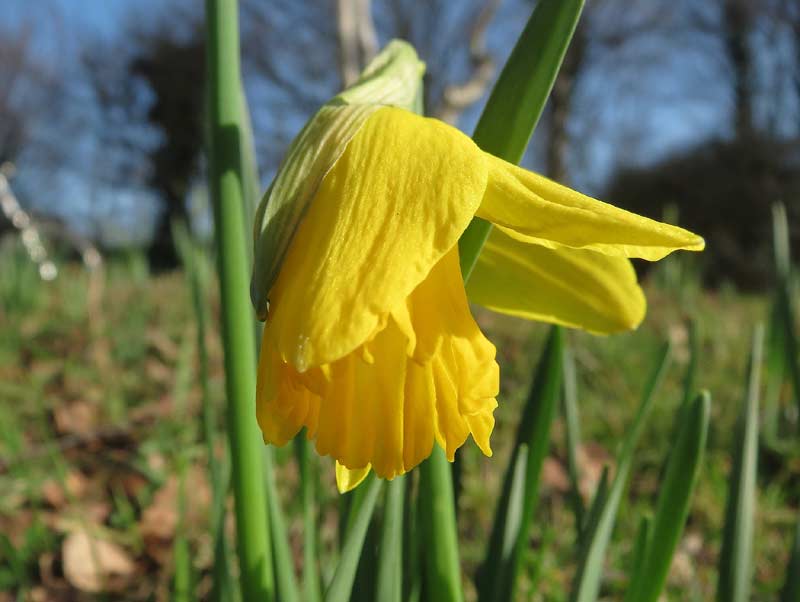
<point>369,342</point>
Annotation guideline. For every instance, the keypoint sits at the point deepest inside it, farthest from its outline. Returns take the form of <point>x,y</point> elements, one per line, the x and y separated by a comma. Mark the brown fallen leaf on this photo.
<point>554,476</point>
<point>592,457</point>
<point>160,519</point>
<point>76,483</point>
<point>53,493</point>
<point>94,565</point>
<point>56,493</point>
<point>38,594</point>
<point>75,418</point>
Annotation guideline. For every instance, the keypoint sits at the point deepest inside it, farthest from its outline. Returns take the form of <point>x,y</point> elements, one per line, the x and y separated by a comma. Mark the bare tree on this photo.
<point>456,97</point>
<point>358,42</point>
<point>607,27</point>
<point>560,106</point>
<point>152,109</point>
<point>451,38</point>
<point>27,89</point>
<point>738,17</point>
<point>153,113</point>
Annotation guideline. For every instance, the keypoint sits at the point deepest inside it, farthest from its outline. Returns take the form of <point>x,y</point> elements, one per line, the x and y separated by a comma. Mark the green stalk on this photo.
<point>311,587</point>
<point>390,561</point>
<point>439,536</point>
<point>227,187</point>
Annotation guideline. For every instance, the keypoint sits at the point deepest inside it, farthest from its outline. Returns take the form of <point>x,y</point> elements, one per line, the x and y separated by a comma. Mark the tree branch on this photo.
<point>457,97</point>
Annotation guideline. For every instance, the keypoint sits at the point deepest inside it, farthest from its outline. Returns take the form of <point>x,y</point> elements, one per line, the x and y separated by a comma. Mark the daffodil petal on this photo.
<point>392,78</point>
<point>386,408</point>
<point>348,479</point>
<point>393,204</point>
<point>280,422</point>
<point>531,208</point>
<point>572,287</point>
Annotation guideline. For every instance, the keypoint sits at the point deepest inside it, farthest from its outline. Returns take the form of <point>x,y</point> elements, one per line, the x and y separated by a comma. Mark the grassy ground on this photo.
<point>99,394</point>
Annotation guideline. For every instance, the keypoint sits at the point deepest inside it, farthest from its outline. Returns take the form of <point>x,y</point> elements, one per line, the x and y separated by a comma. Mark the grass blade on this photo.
<point>521,485</point>
<point>182,581</point>
<point>412,580</point>
<point>672,508</point>
<point>776,363</point>
<point>390,553</point>
<point>517,99</point>
<point>736,556</point>
<point>783,267</point>
<point>791,587</point>
<point>640,546</point>
<point>573,437</point>
<point>194,264</point>
<point>598,530</point>
<point>690,379</point>
<point>342,584</point>
<point>281,552</point>
<point>311,577</point>
<point>596,507</point>
<point>226,123</point>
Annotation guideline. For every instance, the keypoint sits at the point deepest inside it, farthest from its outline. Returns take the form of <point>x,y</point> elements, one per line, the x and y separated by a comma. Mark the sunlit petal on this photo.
<point>532,208</point>
<point>367,242</point>
<point>571,287</point>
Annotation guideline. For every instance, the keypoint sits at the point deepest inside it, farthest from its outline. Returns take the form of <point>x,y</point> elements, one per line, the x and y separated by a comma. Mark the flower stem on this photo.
<point>226,184</point>
<point>440,539</point>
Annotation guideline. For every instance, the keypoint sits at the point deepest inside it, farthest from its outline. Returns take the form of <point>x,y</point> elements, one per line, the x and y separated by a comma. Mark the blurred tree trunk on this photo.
<point>174,70</point>
<point>457,97</point>
<point>738,16</point>
<point>561,106</point>
<point>358,42</point>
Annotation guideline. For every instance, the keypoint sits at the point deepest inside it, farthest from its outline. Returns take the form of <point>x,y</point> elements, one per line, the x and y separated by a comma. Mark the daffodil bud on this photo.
<point>393,78</point>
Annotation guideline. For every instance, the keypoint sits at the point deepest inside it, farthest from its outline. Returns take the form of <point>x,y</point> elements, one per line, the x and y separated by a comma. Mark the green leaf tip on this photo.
<point>393,78</point>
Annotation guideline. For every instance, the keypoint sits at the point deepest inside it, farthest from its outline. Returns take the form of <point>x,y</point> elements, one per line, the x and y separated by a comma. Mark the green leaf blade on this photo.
<point>586,584</point>
<point>791,587</point>
<point>736,556</point>
<point>521,485</point>
<point>281,552</point>
<point>518,98</point>
<point>672,508</point>
<point>341,586</point>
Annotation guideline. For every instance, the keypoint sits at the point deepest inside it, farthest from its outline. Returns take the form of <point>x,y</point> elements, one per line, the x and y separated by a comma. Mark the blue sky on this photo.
<point>84,16</point>
<point>655,107</point>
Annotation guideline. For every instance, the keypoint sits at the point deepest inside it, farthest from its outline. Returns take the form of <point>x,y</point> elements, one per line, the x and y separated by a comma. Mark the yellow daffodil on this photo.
<point>369,342</point>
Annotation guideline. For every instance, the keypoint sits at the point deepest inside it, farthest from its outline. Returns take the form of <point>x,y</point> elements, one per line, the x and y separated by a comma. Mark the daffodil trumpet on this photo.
<point>369,342</point>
